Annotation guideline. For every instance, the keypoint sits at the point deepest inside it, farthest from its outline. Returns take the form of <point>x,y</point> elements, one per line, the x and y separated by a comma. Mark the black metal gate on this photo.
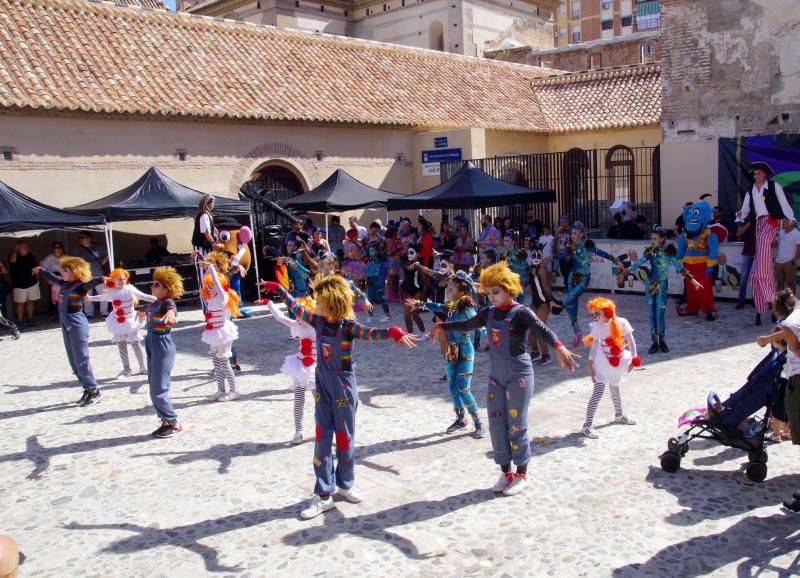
<point>587,182</point>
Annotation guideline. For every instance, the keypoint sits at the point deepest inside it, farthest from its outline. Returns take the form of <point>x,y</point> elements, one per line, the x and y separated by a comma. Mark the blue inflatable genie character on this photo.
<point>698,246</point>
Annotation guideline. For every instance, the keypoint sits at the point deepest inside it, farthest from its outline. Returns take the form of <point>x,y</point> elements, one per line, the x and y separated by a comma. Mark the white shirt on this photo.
<point>792,361</point>
<point>362,232</point>
<point>787,245</point>
<point>760,205</point>
<point>205,224</point>
<point>546,241</point>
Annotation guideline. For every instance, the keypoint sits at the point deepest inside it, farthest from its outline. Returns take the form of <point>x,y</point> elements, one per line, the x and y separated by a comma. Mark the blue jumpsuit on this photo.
<point>579,276</point>
<point>160,351</point>
<point>460,360</point>
<point>75,326</point>
<point>510,377</point>
<point>656,290</point>
<point>297,276</point>
<point>336,395</point>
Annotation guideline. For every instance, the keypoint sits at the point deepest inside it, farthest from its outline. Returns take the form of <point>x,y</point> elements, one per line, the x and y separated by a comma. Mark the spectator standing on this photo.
<point>747,234</point>
<point>336,235</point>
<point>154,256</point>
<point>53,264</point>
<point>24,283</point>
<point>318,244</point>
<point>628,230</point>
<point>679,224</point>
<point>446,239</point>
<point>614,230</point>
<point>788,244</point>
<point>362,231</point>
<point>533,227</point>
<point>293,236</point>
<point>563,235</point>
<point>546,241</point>
<point>97,259</point>
<point>464,251</point>
<point>490,235</point>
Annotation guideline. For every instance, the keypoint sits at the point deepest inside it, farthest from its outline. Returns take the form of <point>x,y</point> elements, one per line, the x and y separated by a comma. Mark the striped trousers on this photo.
<point>762,276</point>
<point>597,395</point>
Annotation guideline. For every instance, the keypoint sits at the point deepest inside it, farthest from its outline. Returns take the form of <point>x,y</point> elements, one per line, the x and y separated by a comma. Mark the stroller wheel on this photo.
<point>673,444</point>
<point>756,471</point>
<point>670,462</point>
<point>758,456</point>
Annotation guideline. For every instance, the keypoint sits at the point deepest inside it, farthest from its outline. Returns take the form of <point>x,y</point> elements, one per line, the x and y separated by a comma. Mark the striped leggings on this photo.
<point>123,354</point>
<point>597,395</point>
<point>762,276</point>
<point>223,373</point>
<point>299,405</point>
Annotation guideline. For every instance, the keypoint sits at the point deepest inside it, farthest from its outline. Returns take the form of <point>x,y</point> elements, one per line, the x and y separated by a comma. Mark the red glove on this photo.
<point>271,287</point>
<point>396,333</point>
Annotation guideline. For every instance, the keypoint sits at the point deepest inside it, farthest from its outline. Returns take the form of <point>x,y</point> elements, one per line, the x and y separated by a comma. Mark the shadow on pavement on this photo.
<point>758,540</point>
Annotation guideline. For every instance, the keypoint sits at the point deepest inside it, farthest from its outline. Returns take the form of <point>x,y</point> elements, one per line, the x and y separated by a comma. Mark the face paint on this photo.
<point>536,258</point>
<point>444,267</point>
<point>411,254</point>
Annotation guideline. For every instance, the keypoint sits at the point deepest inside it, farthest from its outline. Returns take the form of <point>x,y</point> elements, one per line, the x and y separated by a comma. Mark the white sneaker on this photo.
<point>218,396</point>
<point>232,394</point>
<point>298,438</point>
<point>386,319</point>
<point>423,337</point>
<point>369,318</point>
<point>318,506</point>
<point>501,484</point>
<point>517,486</point>
<point>350,495</point>
<point>624,420</point>
<point>142,371</point>
<point>589,433</point>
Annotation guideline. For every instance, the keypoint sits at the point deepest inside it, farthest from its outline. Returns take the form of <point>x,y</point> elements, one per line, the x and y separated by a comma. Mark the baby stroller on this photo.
<point>733,423</point>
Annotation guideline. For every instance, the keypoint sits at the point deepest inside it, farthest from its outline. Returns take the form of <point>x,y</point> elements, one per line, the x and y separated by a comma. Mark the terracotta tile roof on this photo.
<point>155,4</point>
<point>97,57</point>
<point>600,99</point>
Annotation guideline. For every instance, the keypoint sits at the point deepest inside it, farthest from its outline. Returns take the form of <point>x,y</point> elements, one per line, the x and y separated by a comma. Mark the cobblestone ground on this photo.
<point>87,492</point>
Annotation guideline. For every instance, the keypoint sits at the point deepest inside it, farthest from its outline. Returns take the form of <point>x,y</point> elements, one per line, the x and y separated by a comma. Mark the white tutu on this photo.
<point>221,339</point>
<point>303,376</point>
<point>606,373</point>
<point>127,331</point>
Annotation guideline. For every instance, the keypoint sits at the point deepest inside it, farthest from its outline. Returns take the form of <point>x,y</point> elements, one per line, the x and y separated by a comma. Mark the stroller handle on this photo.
<point>714,403</point>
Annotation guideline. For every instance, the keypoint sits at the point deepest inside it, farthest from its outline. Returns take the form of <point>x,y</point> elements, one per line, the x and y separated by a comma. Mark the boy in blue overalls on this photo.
<point>337,390</point>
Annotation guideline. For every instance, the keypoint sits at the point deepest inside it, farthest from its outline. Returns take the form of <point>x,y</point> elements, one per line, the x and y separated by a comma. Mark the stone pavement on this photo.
<point>87,492</point>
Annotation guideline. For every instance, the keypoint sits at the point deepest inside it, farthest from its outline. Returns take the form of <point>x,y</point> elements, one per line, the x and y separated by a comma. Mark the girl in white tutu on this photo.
<point>220,332</point>
<point>612,356</point>
<point>302,365</point>
<point>122,322</point>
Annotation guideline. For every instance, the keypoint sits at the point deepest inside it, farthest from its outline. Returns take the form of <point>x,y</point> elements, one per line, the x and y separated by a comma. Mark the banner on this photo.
<point>726,276</point>
<point>781,152</point>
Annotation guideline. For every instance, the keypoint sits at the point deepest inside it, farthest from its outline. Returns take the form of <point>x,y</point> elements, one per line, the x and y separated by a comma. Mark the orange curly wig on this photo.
<point>609,309</point>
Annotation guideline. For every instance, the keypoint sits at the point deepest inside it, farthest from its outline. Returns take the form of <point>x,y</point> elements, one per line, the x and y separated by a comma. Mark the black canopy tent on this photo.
<point>153,197</point>
<point>339,192</point>
<point>471,188</point>
<point>19,213</point>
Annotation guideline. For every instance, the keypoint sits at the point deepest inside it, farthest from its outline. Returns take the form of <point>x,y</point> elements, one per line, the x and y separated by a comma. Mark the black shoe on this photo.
<point>83,398</point>
<point>654,347</point>
<point>740,305</point>
<point>758,318</point>
<point>92,397</point>
<point>663,345</point>
<point>167,430</point>
<point>711,316</point>
<point>544,360</point>
<point>793,506</point>
<point>459,424</point>
<point>236,368</point>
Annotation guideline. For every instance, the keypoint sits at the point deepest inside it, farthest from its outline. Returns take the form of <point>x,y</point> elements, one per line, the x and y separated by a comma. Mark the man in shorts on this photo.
<point>24,284</point>
<point>788,244</point>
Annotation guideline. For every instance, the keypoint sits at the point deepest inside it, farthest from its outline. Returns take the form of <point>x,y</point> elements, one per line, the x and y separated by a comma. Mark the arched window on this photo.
<point>620,170</point>
<point>436,36</point>
<point>231,16</point>
<point>576,182</point>
<point>513,174</point>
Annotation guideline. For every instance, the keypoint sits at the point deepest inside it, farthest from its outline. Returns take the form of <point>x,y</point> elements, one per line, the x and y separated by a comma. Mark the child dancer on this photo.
<point>220,332</point>
<point>167,286</point>
<point>660,256</point>
<point>411,288</point>
<point>511,373</point>
<point>542,302</point>
<point>613,354</point>
<point>581,250</point>
<point>459,353</point>
<point>75,284</point>
<point>337,389</point>
<point>299,366</point>
<point>122,322</point>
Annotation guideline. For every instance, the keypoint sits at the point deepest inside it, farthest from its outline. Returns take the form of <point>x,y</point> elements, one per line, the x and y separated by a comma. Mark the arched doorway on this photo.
<point>269,184</point>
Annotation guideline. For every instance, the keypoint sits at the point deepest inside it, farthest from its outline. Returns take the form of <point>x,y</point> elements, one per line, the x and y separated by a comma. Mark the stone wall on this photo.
<point>730,68</point>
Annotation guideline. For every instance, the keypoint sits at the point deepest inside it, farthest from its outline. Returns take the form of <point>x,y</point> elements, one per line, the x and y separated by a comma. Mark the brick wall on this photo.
<point>730,68</point>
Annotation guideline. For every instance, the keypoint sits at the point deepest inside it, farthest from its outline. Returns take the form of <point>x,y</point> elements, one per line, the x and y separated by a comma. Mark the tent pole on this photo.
<point>255,248</point>
<point>110,244</point>
<point>326,224</point>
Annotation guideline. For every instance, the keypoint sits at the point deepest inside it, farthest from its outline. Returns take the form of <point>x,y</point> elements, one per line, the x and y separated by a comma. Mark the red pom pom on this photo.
<point>116,302</point>
<point>120,312</point>
<point>306,342</point>
<point>120,320</point>
<point>306,350</point>
<point>308,361</point>
<point>609,341</point>
<point>208,315</point>
<point>615,350</point>
<point>636,361</point>
<point>608,312</point>
<point>209,326</point>
<point>614,361</point>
